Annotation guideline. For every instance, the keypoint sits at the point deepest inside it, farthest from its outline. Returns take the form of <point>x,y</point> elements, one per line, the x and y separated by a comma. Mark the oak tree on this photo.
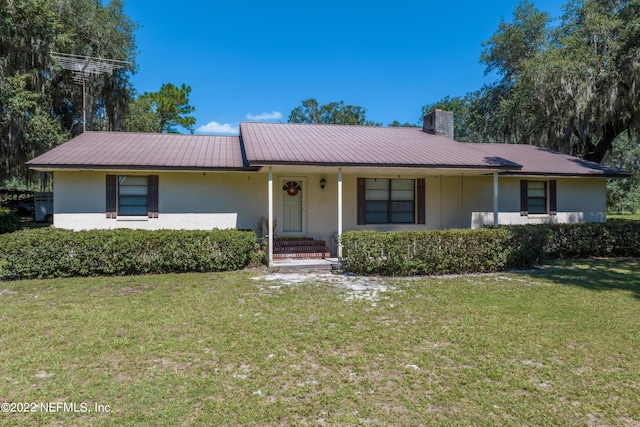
<point>570,85</point>
<point>40,104</point>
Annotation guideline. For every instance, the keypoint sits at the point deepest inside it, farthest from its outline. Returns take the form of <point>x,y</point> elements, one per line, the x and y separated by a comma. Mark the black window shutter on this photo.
<point>420,199</point>
<point>362,201</point>
<point>152,196</point>
<point>524,205</point>
<point>112,196</point>
<point>553,203</point>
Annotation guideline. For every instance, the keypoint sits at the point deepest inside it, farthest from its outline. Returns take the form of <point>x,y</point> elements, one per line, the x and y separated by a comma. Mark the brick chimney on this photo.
<point>439,122</point>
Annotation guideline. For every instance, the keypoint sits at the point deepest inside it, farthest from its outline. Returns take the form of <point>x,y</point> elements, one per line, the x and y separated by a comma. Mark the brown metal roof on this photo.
<point>155,151</point>
<point>296,144</point>
<point>340,145</point>
<point>541,161</point>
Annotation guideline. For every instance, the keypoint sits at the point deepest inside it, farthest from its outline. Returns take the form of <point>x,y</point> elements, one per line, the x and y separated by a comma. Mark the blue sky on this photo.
<point>256,61</point>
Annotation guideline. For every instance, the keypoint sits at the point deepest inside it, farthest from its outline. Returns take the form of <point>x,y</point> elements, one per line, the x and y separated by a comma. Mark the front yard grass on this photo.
<point>557,345</point>
<point>629,216</point>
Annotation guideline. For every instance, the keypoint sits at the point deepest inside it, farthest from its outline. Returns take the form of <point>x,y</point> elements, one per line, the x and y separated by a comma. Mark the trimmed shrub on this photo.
<point>625,238</point>
<point>9,221</point>
<point>534,243</point>
<point>485,250</point>
<point>526,244</point>
<point>614,238</point>
<point>51,252</point>
<point>258,255</point>
<point>425,252</point>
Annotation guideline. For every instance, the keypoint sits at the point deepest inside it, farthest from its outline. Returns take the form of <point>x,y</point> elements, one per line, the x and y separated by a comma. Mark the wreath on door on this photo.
<point>292,188</point>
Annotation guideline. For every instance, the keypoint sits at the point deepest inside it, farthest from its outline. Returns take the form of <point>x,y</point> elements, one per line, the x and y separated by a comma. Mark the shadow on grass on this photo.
<point>594,274</point>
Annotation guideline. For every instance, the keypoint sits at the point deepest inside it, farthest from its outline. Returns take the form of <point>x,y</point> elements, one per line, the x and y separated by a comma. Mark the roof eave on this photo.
<point>566,175</point>
<point>135,168</point>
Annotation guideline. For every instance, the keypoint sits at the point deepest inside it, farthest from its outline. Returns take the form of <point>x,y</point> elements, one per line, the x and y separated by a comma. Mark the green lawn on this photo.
<point>629,216</point>
<point>559,345</point>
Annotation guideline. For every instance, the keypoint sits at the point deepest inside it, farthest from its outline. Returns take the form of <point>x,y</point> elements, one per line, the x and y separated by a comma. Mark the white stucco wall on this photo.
<point>186,201</point>
<point>449,201</point>
<point>226,200</point>
<point>578,200</point>
<point>452,201</point>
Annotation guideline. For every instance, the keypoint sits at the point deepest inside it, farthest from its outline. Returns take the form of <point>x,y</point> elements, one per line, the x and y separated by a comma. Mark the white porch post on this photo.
<point>270,225</point>
<point>495,199</point>
<point>339,212</point>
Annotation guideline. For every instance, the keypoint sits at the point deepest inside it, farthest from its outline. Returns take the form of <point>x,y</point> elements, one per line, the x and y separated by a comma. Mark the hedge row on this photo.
<point>614,238</point>
<point>484,250</point>
<point>9,221</point>
<point>424,252</point>
<point>51,252</point>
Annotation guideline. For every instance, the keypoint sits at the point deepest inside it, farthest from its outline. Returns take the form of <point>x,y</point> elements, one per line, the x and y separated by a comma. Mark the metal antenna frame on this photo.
<point>85,67</point>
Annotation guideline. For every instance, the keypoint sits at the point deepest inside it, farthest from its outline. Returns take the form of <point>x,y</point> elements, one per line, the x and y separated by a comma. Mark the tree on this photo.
<point>623,195</point>
<point>40,105</point>
<point>397,124</point>
<point>161,111</point>
<point>491,114</point>
<point>571,88</point>
<point>514,43</point>
<point>336,113</point>
<point>22,118</point>
<point>461,109</point>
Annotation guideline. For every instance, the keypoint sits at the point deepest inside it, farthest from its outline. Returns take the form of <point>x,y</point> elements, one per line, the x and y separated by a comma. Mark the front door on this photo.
<point>292,196</point>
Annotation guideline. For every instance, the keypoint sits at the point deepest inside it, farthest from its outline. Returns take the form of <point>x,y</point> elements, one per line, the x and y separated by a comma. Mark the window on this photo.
<point>390,201</point>
<point>132,195</point>
<point>538,197</point>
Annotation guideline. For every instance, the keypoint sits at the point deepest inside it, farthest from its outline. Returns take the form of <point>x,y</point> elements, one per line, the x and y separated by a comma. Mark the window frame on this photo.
<point>139,182</point>
<point>113,197</point>
<point>533,201</point>
<point>417,202</point>
<point>550,197</point>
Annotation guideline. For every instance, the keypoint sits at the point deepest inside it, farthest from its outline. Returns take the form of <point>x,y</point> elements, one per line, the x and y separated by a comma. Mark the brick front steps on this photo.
<point>299,248</point>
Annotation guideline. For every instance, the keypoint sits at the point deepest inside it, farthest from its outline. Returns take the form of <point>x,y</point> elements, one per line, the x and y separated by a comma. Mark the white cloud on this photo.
<point>219,128</point>
<point>274,115</point>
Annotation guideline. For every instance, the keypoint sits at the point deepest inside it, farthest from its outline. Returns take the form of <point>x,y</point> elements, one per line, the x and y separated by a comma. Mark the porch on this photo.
<point>322,202</point>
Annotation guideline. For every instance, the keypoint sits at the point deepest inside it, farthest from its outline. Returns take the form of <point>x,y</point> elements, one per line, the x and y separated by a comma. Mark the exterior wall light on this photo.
<point>323,182</point>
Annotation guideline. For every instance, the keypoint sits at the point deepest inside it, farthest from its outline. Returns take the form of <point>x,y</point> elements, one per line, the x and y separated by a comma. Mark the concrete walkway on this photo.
<point>306,264</point>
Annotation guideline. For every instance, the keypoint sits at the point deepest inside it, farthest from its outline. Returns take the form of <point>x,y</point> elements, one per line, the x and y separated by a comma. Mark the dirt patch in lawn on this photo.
<point>356,287</point>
